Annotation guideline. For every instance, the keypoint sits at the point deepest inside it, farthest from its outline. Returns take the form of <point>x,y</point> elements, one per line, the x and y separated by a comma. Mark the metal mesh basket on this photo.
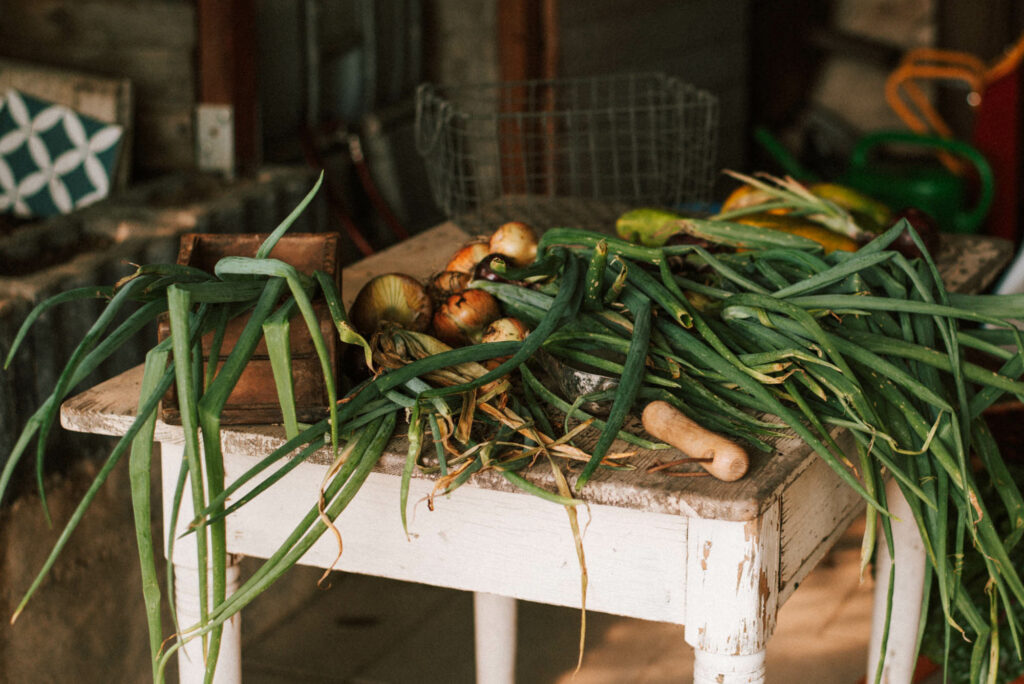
<point>566,151</point>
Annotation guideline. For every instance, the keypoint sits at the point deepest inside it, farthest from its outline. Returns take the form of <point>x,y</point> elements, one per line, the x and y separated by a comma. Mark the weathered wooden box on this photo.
<point>254,399</point>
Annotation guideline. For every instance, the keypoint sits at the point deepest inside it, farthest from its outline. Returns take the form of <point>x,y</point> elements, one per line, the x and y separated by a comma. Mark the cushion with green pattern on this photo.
<point>52,159</point>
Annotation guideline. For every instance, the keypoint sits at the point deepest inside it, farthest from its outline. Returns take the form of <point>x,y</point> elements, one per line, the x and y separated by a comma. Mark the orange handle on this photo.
<point>726,460</point>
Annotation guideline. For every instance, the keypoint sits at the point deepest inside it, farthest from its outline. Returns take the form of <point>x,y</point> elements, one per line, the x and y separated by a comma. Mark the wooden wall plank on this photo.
<point>150,42</point>
<point>103,25</point>
<point>518,39</point>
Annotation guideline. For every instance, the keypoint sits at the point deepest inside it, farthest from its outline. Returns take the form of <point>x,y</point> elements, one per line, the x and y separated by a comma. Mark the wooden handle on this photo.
<point>728,461</point>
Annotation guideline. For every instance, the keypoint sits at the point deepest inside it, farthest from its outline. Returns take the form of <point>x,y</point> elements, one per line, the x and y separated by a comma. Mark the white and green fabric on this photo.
<point>52,159</point>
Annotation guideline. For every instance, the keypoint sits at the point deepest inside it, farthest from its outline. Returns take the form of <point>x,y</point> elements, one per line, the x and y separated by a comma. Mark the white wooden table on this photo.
<point>719,558</point>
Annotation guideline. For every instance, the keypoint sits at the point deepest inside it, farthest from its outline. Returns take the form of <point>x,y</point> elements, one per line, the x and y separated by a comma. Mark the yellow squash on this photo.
<point>795,225</point>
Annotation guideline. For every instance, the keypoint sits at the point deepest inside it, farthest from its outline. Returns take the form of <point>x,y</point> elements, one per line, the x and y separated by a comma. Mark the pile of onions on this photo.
<point>515,240</point>
<point>459,316</point>
<point>463,317</point>
<point>394,297</point>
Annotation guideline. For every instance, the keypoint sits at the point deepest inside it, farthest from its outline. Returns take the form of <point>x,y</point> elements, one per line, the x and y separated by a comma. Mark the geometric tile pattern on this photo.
<point>52,159</point>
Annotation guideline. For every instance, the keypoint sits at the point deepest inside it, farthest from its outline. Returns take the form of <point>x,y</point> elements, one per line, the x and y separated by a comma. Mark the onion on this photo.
<point>468,256</point>
<point>446,283</point>
<point>517,241</point>
<point>504,330</point>
<point>395,297</point>
<point>485,270</point>
<point>464,317</point>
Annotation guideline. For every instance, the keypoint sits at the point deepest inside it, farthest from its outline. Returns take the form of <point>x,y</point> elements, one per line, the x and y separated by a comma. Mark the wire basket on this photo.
<point>566,152</point>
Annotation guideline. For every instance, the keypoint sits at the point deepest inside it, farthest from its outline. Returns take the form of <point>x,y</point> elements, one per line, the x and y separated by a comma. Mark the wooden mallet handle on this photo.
<point>727,460</point>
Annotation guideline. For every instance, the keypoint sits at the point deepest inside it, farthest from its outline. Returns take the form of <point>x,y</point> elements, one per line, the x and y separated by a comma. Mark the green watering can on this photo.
<point>931,188</point>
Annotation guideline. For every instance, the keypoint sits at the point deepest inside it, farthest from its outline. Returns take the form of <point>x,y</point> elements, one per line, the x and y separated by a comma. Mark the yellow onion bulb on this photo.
<point>468,256</point>
<point>394,297</point>
<point>504,330</point>
<point>515,240</point>
<point>463,317</point>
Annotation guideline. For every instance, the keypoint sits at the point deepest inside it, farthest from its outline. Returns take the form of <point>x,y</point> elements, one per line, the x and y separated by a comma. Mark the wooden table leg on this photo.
<point>908,592</point>
<point>191,665</point>
<point>494,626</point>
<point>732,581</point>
<point>718,668</point>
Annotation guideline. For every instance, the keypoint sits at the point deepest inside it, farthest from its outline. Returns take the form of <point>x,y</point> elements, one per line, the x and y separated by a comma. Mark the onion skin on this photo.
<point>446,283</point>
<point>517,241</point>
<point>464,317</point>
<point>468,256</point>
<point>395,297</point>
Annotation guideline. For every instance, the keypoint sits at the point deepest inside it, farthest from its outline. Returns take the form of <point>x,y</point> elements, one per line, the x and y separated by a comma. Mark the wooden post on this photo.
<point>527,50</point>
<point>227,71</point>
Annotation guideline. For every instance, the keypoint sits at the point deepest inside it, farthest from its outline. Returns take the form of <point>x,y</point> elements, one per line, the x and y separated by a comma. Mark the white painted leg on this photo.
<point>191,664</point>
<point>732,583</point>
<point>716,668</point>
<point>908,591</point>
<point>494,619</point>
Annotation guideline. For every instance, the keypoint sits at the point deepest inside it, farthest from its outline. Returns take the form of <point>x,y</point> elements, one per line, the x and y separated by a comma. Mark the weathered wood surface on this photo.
<point>150,42</point>
<point>108,408</point>
<point>816,509</point>
<point>419,256</point>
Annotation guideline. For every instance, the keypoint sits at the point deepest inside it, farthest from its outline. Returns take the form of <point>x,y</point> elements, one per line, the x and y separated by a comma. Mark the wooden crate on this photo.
<point>254,399</point>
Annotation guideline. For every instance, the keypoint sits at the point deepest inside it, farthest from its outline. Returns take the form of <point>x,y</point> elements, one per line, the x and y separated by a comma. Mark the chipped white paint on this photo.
<point>901,649</point>
<point>816,509</point>
<point>732,595</point>
<point>715,668</point>
<point>479,540</point>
